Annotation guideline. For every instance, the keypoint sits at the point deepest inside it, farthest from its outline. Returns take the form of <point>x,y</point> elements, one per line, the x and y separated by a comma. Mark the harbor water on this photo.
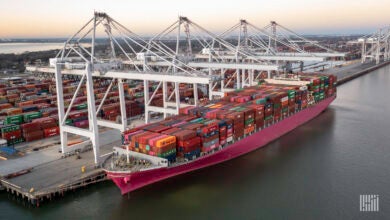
<point>317,171</point>
<point>18,48</point>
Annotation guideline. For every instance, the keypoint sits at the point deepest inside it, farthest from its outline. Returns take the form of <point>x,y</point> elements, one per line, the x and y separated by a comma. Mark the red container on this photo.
<point>47,120</point>
<point>185,110</point>
<point>210,128</point>
<point>78,114</point>
<point>127,136</point>
<point>12,135</point>
<point>259,124</point>
<point>249,113</point>
<point>33,135</point>
<point>135,137</point>
<point>31,125</point>
<point>211,138</point>
<point>189,142</point>
<point>146,137</point>
<point>212,114</point>
<point>157,128</point>
<point>181,150</point>
<point>171,131</point>
<point>194,126</point>
<point>53,131</point>
<point>82,124</point>
<point>48,125</point>
<point>238,131</point>
<point>185,135</point>
<point>222,132</point>
<point>236,116</point>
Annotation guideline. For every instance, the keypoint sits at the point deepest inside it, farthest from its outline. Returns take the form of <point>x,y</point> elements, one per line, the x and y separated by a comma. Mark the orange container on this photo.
<point>216,106</point>
<point>165,141</point>
<point>13,111</point>
<point>249,129</point>
<point>25,103</point>
<point>5,106</point>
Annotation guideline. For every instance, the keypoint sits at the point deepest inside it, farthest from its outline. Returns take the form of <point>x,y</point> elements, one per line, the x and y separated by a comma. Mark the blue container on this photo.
<point>268,105</point>
<point>210,134</point>
<point>171,157</point>
<point>210,143</point>
<point>29,108</point>
<point>80,119</point>
<point>191,154</point>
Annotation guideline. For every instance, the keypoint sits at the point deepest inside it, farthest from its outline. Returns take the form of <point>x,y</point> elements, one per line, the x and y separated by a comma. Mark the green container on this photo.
<point>235,108</point>
<point>208,122</point>
<point>260,101</point>
<point>31,115</point>
<point>277,105</point>
<point>68,121</point>
<point>82,106</point>
<point>291,93</point>
<point>15,141</point>
<point>268,117</point>
<point>10,128</point>
<point>198,120</point>
<point>168,153</point>
<point>139,94</point>
<point>249,121</point>
<point>14,119</point>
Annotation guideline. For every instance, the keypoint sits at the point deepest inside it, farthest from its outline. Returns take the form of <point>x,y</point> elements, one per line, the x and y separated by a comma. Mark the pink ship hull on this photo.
<point>128,182</point>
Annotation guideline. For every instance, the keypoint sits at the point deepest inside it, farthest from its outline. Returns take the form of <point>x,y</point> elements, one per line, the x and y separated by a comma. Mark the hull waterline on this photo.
<point>128,181</point>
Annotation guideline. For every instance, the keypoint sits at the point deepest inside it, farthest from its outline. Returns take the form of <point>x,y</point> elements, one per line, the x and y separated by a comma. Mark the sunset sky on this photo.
<point>53,18</point>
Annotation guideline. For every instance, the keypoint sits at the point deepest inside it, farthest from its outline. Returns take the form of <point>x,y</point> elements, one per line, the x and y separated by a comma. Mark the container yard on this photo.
<point>177,111</point>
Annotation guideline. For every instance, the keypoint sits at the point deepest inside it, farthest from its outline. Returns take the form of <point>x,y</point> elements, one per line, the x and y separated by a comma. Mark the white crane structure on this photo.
<point>376,47</point>
<point>197,58</point>
<point>280,35</point>
<point>265,44</point>
<point>75,59</point>
<point>204,51</point>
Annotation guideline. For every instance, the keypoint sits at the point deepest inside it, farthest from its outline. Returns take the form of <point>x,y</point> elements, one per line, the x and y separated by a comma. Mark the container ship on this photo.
<point>200,136</point>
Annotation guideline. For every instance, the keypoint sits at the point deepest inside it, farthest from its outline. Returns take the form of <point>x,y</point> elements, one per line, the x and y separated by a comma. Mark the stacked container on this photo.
<point>12,134</point>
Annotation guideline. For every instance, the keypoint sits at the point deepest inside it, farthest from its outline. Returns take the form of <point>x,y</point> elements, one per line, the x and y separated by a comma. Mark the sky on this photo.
<point>54,18</point>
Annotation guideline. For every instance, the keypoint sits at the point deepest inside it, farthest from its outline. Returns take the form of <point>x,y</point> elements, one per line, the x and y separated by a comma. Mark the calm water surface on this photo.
<point>317,171</point>
<point>30,47</point>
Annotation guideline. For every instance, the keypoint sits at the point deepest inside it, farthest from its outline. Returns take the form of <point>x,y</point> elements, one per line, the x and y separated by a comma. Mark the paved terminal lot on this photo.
<point>349,70</point>
<point>59,172</point>
<point>50,171</point>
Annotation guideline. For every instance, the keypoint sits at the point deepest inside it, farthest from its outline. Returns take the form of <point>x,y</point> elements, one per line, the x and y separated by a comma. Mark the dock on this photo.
<point>43,174</point>
<point>354,70</point>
